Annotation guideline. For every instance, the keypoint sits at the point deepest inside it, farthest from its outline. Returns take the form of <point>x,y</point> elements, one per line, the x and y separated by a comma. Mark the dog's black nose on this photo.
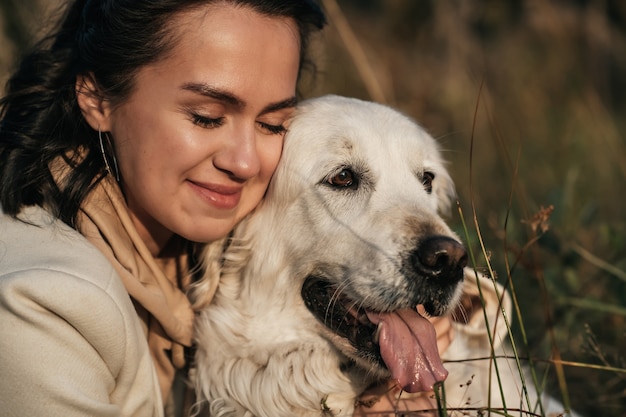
<point>441,257</point>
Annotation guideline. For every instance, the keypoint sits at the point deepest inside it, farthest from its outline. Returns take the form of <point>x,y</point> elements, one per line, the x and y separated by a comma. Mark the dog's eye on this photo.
<point>344,179</point>
<point>427,181</point>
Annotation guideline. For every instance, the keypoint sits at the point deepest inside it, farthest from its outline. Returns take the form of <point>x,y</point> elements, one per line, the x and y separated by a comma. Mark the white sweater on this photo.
<point>71,343</point>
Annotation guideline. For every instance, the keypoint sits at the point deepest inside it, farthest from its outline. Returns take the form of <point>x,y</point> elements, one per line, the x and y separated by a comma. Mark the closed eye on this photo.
<point>206,122</point>
<point>211,123</point>
<point>272,129</point>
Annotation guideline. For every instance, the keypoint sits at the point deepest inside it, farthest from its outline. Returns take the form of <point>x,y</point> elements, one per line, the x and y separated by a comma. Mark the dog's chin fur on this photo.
<point>260,350</point>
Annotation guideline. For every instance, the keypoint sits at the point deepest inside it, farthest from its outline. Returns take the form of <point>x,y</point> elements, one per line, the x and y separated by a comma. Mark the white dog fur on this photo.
<point>261,352</point>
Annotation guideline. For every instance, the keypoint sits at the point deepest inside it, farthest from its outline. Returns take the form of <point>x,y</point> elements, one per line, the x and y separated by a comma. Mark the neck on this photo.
<point>154,235</point>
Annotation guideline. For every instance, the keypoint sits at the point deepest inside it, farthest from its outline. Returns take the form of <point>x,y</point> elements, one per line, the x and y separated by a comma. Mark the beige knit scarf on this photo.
<point>153,284</point>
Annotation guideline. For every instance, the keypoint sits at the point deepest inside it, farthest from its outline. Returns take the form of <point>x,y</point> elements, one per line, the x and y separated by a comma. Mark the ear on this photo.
<point>95,108</point>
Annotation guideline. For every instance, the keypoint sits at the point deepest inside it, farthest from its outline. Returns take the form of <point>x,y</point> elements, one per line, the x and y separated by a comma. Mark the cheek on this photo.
<point>161,150</point>
<point>144,165</point>
<point>269,155</point>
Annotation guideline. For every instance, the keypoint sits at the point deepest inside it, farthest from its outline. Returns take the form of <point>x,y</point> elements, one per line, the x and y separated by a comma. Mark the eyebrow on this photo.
<point>226,97</point>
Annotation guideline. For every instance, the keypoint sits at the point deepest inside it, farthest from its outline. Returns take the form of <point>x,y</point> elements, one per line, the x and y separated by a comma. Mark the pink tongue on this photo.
<point>408,345</point>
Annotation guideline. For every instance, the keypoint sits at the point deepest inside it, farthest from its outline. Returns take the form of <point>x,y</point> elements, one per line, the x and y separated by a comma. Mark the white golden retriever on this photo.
<point>347,243</point>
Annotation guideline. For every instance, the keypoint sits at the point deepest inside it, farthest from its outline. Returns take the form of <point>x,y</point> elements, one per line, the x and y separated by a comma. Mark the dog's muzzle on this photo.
<point>433,271</point>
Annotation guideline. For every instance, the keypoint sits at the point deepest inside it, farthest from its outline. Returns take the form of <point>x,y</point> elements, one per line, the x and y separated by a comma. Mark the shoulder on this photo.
<point>37,240</point>
<point>49,263</point>
<point>46,266</point>
<point>66,312</point>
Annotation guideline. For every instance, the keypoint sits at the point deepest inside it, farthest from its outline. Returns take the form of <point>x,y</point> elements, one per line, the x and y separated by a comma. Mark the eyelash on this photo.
<point>209,123</point>
<point>273,129</point>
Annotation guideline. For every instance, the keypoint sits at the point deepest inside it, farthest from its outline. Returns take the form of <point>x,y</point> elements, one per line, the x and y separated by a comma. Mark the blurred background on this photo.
<point>528,99</point>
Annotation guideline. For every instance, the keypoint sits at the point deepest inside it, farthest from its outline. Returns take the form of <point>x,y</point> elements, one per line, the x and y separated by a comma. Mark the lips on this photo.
<point>223,197</point>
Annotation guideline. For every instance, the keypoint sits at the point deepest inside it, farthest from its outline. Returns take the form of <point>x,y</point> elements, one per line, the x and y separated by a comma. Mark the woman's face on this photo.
<point>202,132</point>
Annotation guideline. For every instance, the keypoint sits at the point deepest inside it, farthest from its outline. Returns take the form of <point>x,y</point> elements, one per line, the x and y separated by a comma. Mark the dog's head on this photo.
<point>357,199</point>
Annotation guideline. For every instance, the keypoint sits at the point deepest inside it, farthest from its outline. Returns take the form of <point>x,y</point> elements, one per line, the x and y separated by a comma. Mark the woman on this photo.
<point>135,129</point>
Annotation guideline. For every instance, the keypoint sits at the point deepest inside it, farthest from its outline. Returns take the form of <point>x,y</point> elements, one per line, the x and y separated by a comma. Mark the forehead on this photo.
<point>349,129</point>
<point>226,24</point>
<point>234,49</point>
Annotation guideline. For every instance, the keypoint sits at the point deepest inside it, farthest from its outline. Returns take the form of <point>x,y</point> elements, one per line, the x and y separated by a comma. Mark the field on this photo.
<point>528,100</point>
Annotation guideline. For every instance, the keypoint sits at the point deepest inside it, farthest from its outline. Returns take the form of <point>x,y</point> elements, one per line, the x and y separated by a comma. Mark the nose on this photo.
<point>239,157</point>
<point>440,257</point>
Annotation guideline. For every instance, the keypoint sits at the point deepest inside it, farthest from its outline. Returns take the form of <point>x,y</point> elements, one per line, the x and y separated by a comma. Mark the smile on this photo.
<point>219,196</point>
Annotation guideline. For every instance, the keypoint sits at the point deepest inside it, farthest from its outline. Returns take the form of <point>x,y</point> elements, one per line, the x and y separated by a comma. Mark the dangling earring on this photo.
<point>104,156</point>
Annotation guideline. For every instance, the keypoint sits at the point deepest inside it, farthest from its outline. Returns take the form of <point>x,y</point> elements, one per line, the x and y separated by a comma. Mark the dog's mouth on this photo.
<point>403,341</point>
